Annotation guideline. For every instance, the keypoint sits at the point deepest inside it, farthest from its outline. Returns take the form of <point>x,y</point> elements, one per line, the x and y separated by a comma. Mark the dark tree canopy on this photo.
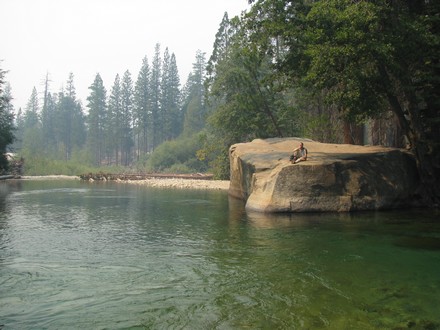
<point>368,57</point>
<point>6,123</point>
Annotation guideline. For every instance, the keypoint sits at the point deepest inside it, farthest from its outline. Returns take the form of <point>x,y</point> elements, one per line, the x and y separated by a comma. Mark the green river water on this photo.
<point>77,255</point>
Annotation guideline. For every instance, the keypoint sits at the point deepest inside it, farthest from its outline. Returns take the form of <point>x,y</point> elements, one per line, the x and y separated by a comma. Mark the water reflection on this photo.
<point>7,187</point>
<point>394,223</point>
<point>4,191</point>
<point>419,229</point>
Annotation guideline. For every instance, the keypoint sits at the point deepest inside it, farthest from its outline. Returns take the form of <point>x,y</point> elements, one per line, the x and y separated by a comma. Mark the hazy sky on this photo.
<point>86,37</point>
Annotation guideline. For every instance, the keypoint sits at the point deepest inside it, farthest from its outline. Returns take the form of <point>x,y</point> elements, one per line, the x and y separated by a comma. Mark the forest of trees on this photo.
<point>330,70</point>
<point>118,127</point>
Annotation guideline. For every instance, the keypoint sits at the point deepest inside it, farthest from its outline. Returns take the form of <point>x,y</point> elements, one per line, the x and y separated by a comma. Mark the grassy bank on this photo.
<point>44,166</point>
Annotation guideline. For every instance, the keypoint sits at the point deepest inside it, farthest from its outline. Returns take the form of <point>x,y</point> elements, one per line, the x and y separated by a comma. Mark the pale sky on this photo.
<point>108,37</point>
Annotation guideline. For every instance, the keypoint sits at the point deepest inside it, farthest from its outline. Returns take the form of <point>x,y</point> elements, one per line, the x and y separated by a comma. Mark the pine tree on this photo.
<point>170,119</point>
<point>49,123</point>
<point>7,93</point>
<point>32,140</point>
<point>69,121</point>
<point>171,114</point>
<point>127,118</point>
<point>222,43</point>
<point>31,116</point>
<point>19,130</point>
<point>155,88</point>
<point>97,105</point>
<point>175,110</point>
<point>113,121</point>
<point>70,88</point>
<point>165,119</point>
<point>142,108</point>
<point>194,103</point>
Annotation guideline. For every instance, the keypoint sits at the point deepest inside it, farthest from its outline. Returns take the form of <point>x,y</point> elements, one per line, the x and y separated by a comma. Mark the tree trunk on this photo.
<point>425,151</point>
<point>353,134</point>
<point>424,147</point>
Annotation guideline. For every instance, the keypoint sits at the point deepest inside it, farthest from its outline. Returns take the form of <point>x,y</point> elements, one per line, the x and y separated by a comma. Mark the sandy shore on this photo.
<point>183,183</point>
<point>153,182</point>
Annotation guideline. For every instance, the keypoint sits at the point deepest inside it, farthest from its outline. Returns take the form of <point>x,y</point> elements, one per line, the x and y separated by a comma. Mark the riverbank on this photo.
<point>49,177</point>
<point>181,183</point>
<point>178,183</point>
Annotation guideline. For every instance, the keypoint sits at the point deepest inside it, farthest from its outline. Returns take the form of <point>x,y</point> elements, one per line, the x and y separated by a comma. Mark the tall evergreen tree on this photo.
<point>156,72</point>
<point>245,100</point>
<point>142,108</point>
<point>7,96</point>
<point>194,102</point>
<point>49,123</point>
<point>170,98</point>
<point>19,130</point>
<point>97,105</point>
<point>174,104</point>
<point>165,117</point>
<point>222,43</point>
<point>127,118</point>
<point>31,116</point>
<point>69,121</point>
<point>32,139</point>
<point>113,121</point>
<point>48,120</point>
<point>70,87</point>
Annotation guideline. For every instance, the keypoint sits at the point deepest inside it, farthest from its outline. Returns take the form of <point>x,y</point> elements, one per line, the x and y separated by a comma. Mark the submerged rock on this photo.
<point>335,177</point>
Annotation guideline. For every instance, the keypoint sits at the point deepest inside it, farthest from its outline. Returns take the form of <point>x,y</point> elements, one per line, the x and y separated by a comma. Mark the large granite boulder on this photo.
<point>336,177</point>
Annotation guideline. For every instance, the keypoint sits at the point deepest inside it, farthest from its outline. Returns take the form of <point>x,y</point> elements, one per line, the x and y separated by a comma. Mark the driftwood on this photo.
<point>126,177</point>
<point>15,170</point>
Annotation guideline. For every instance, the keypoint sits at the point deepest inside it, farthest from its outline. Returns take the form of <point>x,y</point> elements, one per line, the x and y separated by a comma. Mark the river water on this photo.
<point>118,256</point>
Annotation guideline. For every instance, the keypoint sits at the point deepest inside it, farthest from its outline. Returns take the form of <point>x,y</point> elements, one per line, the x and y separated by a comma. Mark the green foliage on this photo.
<point>68,125</point>
<point>322,128</point>
<point>6,126</point>
<point>177,154</point>
<point>155,91</point>
<point>314,118</point>
<point>179,168</point>
<point>46,166</point>
<point>194,107</point>
<point>97,104</point>
<point>247,98</point>
<point>215,151</point>
<point>172,116</point>
<point>363,58</point>
<point>32,143</point>
<point>243,96</point>
<point>142,108</point>
<point>344,43</point>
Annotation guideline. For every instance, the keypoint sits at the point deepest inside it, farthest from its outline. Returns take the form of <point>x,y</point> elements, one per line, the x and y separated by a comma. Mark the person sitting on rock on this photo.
<point>299,154</point>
